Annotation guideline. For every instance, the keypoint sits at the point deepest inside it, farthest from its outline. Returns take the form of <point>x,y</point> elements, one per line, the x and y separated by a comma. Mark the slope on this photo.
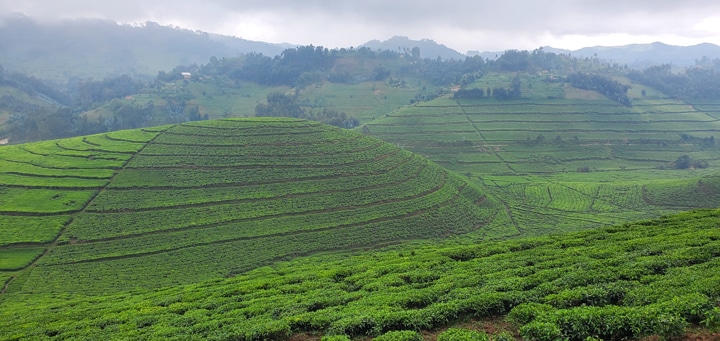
<point>92,48</point>
<point>178,204</point>
<point>562,158</point>
<point>626,282</point>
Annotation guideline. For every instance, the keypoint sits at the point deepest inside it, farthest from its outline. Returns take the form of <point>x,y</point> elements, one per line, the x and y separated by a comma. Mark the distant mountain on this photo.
<point>643,55</point>
<point>97,48</point>
<point>428,48</point>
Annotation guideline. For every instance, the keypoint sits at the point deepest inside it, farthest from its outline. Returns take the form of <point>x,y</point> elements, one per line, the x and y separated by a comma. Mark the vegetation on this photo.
<point>215,192</point>
<point>252,229</point>
<point>626,282</point>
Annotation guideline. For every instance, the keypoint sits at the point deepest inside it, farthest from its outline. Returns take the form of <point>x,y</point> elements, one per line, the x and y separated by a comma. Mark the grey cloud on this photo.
<point>357,21</point>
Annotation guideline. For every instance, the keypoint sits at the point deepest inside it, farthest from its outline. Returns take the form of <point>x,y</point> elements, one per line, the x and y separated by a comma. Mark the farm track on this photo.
<point>281,234</point>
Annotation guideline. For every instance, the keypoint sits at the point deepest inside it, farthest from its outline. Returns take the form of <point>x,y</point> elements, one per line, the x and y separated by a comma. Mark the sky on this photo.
<point>463,25</point>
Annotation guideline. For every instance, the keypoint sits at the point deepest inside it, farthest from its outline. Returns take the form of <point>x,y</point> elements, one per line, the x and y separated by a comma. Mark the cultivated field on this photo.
<point>653,278</point>
<point>129,209</point>
<point>566,164</point>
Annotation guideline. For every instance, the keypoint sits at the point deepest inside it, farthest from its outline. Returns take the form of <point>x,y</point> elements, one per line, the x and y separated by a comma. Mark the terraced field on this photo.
<point>560,164</point>
<point>177,204</point>
<point>646,280</point>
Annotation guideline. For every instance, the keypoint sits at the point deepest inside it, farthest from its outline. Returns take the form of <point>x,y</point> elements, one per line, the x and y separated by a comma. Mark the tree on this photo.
<point>683,162</point>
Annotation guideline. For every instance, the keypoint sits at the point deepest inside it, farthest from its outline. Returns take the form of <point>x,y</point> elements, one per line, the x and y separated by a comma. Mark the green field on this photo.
<point>237,194</point>
<point>647,279</point>
<point>441,213</point>
<point>566,162</point>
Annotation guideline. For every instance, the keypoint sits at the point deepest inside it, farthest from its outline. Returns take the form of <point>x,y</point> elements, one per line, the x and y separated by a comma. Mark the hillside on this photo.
<point>183,203</point>
<point>561,158</point>
<point>627,282</point>
<point>85,48</point>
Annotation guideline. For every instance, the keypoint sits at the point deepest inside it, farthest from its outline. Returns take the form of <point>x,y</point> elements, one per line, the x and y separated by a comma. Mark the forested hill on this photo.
<point>97,48</point>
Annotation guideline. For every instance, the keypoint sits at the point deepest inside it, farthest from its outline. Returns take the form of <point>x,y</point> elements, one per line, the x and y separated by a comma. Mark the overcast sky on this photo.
<point>460,24</point>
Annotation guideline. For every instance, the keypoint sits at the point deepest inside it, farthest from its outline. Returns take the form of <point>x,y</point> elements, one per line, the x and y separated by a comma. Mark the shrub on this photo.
<point>527,312</point>
<point>335,338</point>
<point>541,331</point>
<point>458,334</point>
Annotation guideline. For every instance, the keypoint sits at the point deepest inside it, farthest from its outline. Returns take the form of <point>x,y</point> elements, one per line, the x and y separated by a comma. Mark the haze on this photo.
<point>461,25</point>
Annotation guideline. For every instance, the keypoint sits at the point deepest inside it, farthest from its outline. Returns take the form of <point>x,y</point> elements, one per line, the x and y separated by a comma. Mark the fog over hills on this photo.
<point>94,48</point>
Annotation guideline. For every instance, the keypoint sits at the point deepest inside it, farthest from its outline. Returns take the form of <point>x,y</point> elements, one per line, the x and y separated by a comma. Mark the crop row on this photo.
<point>356,206</point>
<point>42,155</point>
<point>348,145</point>
<point>98,143</point>
<point>302,137</point>
<point>18,258</point>
<point>29,169</point>
<point>22,181</point>
<point>133,135</point>
<point>133,199</point>
<point>270,132</point>
<point>703,192</point>
<point>213,161</point>
<point>43,200</point>
<point>21,229</point>
<point>254,123</point>
<point>238,256</point>
<point>148,178</point>
<point>629,282</point>
<point>619,196</point>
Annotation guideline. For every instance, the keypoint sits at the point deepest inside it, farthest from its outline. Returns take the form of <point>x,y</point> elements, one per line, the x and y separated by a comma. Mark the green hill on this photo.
<point>562,158</point>
<point>177,204</point>
<point>627,282</point>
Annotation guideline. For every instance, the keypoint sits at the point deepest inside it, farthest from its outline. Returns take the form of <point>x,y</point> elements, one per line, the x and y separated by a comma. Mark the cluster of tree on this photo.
<point>511,92</point>
<point>282,105</point>
<point>685,162</point>
<point>427,96</point>
<point>693,83</point>
<point>614,90</point>
<point>304,65</point>
<point>470,93</point>
<point>284,69</point>
<point>700,141</point>
<point>92,92</point>
<point>514,61</point>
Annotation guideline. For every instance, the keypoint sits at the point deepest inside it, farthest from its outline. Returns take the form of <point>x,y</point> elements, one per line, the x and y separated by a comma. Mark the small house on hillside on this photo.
<point>186,75</point>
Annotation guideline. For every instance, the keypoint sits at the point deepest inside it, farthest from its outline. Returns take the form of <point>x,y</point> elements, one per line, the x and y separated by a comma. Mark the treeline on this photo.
<point>511,92</point>
<point>693,83</point>
<point>56,111</point>
<point>282,105</point>
<point>614,90</point>
<point>305,65</point>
